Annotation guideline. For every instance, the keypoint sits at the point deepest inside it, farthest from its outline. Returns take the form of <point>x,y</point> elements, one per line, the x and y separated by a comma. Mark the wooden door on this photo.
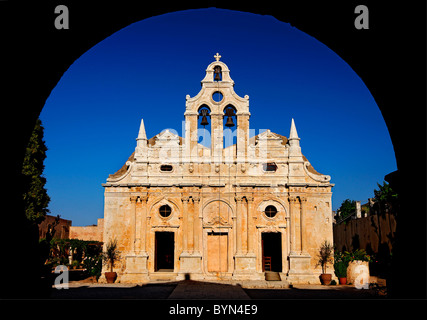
<point>217,252</point>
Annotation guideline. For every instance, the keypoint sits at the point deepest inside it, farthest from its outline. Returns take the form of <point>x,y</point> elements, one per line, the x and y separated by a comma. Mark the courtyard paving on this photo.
<point>198,290</point>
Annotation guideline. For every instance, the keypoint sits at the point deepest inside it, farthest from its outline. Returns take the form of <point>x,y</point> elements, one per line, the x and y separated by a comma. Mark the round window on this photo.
<point>165,211</point>
<point>270,211</point>
<point>217,96</point>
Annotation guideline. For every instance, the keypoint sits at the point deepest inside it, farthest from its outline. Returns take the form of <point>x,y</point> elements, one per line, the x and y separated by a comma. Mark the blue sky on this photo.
<point>145,70</point>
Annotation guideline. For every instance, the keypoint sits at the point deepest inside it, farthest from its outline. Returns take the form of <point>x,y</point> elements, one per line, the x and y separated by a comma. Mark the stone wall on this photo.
<point>62,230</point>
<point>372,233</point>
<point>87,233</point>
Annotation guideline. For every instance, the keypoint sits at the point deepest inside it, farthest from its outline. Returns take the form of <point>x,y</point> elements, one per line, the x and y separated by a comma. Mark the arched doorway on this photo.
<point>271,243</point>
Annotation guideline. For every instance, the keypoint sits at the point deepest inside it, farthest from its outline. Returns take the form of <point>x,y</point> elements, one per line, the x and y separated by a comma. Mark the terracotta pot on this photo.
<point>343,280</point>
<point>326,278</point>
<point>111,276</point>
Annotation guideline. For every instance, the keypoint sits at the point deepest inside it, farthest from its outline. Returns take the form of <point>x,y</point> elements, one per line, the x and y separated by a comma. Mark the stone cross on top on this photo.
<point>217,56</point>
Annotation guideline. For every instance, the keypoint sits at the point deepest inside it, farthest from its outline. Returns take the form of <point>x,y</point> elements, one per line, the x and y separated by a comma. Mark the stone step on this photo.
<point>272,276</point>
<point>263,284</point>
<point>163,276</point>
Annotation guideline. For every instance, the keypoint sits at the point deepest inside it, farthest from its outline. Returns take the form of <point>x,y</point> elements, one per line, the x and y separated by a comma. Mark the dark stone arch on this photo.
<point>35,55</point>
<point>229,106</point>
<point>204,106</point>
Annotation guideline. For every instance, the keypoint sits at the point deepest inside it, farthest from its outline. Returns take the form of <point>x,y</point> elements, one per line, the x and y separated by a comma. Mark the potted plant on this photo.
<point>110,256</point>
<point>340,266</point>
<point>324,257</point>
<point>341,271</point>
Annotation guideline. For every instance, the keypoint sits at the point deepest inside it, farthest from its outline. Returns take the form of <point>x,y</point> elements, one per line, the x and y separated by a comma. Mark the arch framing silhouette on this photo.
<point>35,55</point>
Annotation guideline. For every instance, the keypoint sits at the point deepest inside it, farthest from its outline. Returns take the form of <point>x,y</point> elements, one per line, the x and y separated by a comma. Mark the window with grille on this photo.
<point>165,211</point>
<point>270,211</point>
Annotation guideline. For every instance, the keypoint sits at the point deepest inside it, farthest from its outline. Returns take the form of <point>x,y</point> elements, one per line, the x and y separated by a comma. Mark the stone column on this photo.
<point>244,259</point>
<point>185,224</point>
<point>299,263</point>
<point>133,200</point>
<point>292,213</point>
<point>242,136</point>
<point>138,225</point>
<point>244,215</point>
<point>190,228</point>
<point>250,232</point>
<point>190,258</point>
<point>144,209</point>
<point>136,261</point>
<point>238,230</point>
<point>190,136</point>
<point>302,223</point>
<point>196,201</point>
<point>217,137</point>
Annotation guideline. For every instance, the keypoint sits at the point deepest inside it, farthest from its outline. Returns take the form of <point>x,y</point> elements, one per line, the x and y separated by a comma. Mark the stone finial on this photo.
<point>142,135</point>
<point>217,56</point>
<point>293,133</point>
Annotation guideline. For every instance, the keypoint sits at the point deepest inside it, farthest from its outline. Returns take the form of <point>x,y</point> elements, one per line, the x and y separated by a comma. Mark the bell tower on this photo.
<point>215,103</point>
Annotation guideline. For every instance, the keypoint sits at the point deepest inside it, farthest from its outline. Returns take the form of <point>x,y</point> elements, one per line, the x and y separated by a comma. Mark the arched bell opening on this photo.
<point>230,125</point>
<point>204,125</point>
<point>217,73</point>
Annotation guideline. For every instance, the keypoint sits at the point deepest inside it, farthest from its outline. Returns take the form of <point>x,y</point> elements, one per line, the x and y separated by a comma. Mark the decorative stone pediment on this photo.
<point>166,138</point>
<point>268,135</point>
<point>269,139</point>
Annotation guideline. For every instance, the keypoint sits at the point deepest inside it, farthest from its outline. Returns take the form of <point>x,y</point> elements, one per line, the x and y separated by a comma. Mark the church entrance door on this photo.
<point>271,251</point>
<point>164,251</point>
<point>217,252</point>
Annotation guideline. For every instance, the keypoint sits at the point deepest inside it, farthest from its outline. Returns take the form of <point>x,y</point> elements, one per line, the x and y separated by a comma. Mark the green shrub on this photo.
<point>359,254</point>
<point>340,268</point>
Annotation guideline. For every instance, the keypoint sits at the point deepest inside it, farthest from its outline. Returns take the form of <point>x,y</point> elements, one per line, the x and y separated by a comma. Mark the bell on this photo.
<point>204,121</point>
<point>229,122</point>
<point>217,72</point>
<point>204,113</point>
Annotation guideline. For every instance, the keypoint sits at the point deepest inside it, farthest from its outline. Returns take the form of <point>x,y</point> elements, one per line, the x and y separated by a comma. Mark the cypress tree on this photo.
<point>35,195</point>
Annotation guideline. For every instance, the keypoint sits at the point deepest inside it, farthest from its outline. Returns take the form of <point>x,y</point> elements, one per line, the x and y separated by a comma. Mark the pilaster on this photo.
<point>303,224</point>
<point>293,229</point>
<point>190,258</point>
<point>136,261</point>
<point>239,232</point>
<point>244,258</point>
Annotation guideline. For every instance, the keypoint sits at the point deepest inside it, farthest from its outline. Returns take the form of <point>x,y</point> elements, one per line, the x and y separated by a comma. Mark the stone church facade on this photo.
<point>179,208</point>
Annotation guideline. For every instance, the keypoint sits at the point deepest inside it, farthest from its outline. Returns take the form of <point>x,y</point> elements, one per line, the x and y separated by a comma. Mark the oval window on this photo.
<point>270,211</point>
<point>166,167</point>
<point>165,211</point>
